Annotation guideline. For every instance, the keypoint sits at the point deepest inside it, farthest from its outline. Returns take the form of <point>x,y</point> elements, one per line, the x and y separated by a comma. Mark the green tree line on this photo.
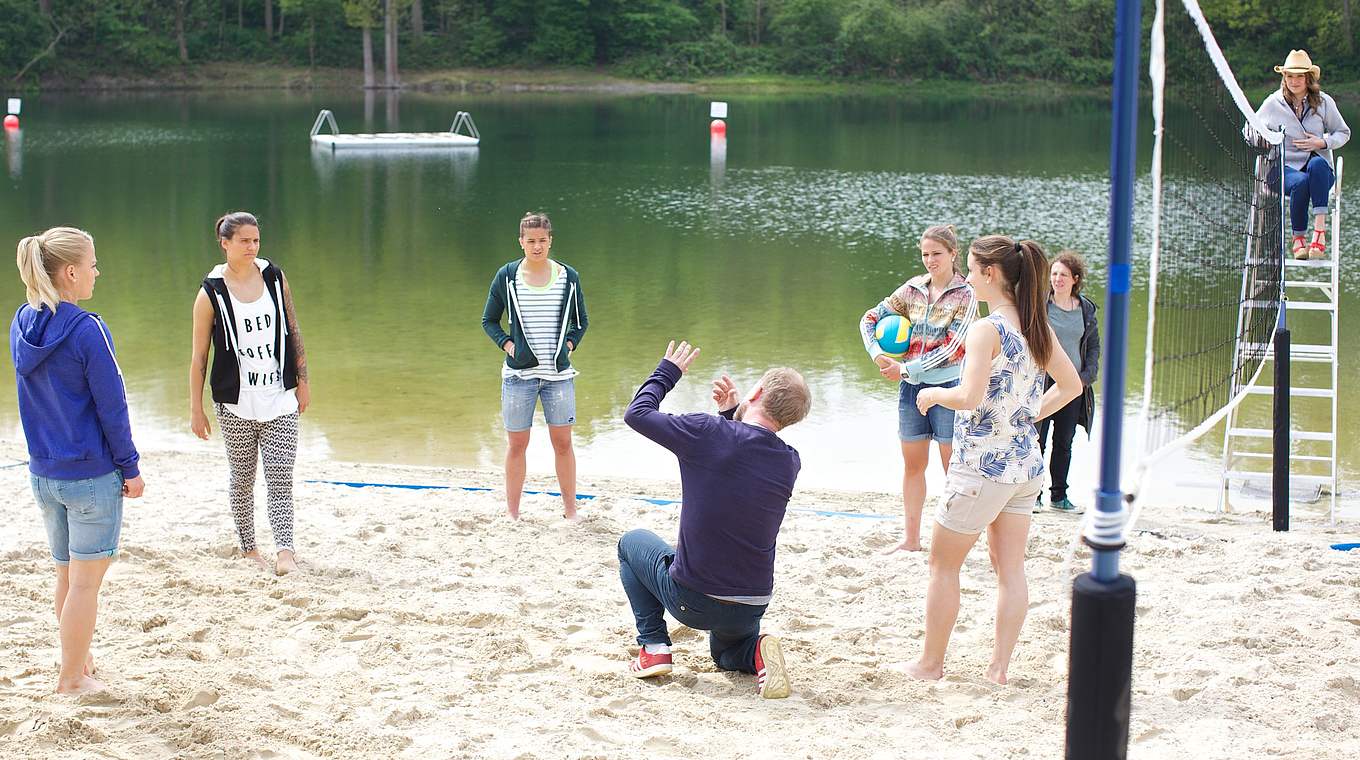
<point>980,40</point>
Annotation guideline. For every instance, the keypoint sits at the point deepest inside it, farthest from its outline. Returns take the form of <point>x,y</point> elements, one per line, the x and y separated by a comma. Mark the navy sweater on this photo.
<point>736,480</point>
<point>71,397</point>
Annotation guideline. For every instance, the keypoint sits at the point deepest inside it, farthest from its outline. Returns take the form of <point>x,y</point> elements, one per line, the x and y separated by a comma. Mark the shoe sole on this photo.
<point>776,675</point>
<point>659,669</point>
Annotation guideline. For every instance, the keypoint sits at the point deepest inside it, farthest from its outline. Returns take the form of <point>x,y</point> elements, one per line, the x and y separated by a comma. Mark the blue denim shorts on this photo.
<point>938,423</point>
<point>83,517</point>
<point>519,397</point>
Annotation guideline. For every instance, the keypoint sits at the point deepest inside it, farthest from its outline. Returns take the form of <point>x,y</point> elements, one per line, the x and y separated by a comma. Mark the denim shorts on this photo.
<point>519,396</point>
<point>938,423</point>
<point>83,517</point>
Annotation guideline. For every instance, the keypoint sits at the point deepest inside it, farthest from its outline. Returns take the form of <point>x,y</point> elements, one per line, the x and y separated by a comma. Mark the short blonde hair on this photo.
<point>786,398</point>
<point>40,257</point>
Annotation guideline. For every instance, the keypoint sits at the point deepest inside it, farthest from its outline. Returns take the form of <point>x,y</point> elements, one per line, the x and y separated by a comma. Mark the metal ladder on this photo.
<point>1310,279</point>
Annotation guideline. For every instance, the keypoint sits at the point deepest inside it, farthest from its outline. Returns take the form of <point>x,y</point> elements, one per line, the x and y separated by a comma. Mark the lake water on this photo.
<point>763,252</point>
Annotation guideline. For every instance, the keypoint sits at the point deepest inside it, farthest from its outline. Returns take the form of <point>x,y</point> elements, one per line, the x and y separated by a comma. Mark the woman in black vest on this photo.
<point>259,385</point>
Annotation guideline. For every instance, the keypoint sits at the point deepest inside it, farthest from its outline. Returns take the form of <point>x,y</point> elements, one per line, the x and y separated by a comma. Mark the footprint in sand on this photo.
<point>1185,693</point>
<point>202,698</point>
<point>154,622</point>
<point>285,712</point>
<point>1148,735</point>
<point>101,698</point>
<point>1346,685</point>
<point>967,720</point>
<point>596,735</point>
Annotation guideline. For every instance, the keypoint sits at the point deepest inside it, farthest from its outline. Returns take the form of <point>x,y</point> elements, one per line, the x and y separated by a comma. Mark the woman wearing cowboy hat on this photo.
<point>1313,128</point>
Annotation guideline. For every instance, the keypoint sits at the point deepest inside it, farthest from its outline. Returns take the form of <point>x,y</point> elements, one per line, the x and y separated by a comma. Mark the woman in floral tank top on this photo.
<point>997,469</point>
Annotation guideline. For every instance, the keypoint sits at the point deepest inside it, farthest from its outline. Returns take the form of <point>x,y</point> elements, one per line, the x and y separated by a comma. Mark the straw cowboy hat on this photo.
<point>1298,62</point>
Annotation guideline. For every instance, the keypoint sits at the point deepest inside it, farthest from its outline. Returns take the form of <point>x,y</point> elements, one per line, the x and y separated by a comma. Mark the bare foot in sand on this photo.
<point>254,555</point>
<point>922,672</point>
<point>997,674</point>
<point>513,512</point>
<point>89,664</point>
<point>905,546</point>
<point>80,685</point>
<point>572,516</point>
<point>286,563</point>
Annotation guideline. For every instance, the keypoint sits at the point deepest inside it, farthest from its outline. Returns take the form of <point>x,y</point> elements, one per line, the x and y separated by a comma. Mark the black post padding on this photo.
<point>1100,668</point>
<point>1279,484</point>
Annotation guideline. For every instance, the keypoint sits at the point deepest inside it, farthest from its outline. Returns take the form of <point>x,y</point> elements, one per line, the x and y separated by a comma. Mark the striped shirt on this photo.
<point>540,312</point>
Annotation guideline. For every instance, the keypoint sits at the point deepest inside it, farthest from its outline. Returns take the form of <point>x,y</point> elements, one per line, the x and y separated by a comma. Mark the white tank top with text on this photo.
<point>262,397</point>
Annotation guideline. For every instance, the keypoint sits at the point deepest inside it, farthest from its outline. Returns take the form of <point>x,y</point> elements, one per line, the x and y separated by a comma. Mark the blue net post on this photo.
<point>1100,660</point>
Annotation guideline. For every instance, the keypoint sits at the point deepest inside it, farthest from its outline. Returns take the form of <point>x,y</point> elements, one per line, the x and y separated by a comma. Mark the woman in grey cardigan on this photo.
<point>1313,128</point>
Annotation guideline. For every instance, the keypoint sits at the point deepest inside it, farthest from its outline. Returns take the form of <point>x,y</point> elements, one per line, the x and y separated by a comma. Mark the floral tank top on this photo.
<point>998,438</point>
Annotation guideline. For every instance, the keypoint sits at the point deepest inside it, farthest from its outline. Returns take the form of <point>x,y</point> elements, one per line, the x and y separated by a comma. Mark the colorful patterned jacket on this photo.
<point>935,350</point>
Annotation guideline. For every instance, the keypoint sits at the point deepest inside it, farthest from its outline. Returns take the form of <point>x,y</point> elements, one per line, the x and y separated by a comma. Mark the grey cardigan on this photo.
<point>1325,122</point>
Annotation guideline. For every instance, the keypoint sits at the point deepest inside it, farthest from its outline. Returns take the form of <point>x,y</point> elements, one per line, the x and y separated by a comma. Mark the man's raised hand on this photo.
<point>725,393</point>
<point>682,355</point>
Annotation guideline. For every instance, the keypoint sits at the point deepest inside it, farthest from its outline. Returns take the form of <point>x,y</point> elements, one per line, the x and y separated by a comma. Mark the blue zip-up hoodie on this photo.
<point>71,397</point>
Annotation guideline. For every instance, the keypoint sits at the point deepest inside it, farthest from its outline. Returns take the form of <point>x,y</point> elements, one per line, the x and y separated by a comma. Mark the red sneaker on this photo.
<point>648,665</point>
<point>772,678</point>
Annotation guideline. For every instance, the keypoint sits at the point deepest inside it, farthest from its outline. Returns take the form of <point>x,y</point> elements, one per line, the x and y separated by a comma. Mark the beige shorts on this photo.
<point>971,502</point>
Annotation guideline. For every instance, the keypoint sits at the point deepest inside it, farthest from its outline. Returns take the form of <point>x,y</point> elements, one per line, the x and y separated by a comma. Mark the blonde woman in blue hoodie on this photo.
<point>73,406</point>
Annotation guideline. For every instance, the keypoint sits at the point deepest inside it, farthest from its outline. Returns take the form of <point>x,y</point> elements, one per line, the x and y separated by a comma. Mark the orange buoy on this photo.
<point>11,122</point>
<point>718,127</point>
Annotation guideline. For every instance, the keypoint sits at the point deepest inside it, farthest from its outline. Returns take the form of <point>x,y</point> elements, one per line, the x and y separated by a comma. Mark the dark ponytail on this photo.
<point>1031,300</point>
<point>1025,269</point>
<point>227,224</point>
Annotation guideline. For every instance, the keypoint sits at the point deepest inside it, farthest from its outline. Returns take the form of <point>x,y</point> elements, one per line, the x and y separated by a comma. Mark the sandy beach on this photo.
<point>425,624</point>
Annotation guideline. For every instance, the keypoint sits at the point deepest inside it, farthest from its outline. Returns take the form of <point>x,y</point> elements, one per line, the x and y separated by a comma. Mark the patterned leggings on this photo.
<point>276,441</point>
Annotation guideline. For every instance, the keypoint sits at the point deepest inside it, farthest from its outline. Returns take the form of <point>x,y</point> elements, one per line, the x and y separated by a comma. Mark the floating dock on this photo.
<point>469,137</point>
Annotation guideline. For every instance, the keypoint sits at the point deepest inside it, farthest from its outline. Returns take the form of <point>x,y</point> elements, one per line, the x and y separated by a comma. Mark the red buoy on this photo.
<point>11,122</point>
<point>718,127</point>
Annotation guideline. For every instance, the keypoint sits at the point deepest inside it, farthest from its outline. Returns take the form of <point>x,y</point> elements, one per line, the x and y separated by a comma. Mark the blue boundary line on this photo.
<point>587,496</point>
<point>1345,547</point>
<point>419,487</point>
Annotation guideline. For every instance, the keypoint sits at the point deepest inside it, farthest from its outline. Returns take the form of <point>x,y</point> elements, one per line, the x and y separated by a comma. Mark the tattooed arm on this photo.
<point>304,391</point>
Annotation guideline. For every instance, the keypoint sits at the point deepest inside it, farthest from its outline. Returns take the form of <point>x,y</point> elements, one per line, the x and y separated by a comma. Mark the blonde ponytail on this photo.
<point>42,256</point>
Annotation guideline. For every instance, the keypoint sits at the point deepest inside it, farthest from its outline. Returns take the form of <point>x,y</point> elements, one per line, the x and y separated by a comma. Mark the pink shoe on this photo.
<point>648,665</point>
<point>772,678</point>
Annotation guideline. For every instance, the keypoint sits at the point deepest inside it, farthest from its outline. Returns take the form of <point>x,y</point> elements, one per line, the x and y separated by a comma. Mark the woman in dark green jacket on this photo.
<point>547,318</point>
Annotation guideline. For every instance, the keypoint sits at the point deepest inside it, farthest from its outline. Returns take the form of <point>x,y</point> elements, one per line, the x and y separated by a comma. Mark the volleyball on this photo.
<point>893,334</point>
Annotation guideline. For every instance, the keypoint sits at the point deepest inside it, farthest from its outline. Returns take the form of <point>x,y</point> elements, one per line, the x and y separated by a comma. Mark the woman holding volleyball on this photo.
<point>938,306</point>
<point>997,469</point>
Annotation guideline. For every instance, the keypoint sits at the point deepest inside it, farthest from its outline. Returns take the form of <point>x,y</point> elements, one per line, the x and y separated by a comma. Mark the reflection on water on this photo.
<point>764,249</point>
<point>717,160</point>
<point>14,152</point>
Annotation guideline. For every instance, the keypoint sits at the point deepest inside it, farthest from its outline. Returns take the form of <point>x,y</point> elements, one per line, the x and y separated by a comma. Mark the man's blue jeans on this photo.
<point>644,568</point>
<point>1307,191</point>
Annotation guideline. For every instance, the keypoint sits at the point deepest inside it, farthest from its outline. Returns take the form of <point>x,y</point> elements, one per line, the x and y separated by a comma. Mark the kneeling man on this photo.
<point>736,476</point>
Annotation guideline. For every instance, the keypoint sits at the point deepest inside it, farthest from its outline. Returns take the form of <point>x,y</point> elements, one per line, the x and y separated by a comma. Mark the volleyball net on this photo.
<point>1216,267</point>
